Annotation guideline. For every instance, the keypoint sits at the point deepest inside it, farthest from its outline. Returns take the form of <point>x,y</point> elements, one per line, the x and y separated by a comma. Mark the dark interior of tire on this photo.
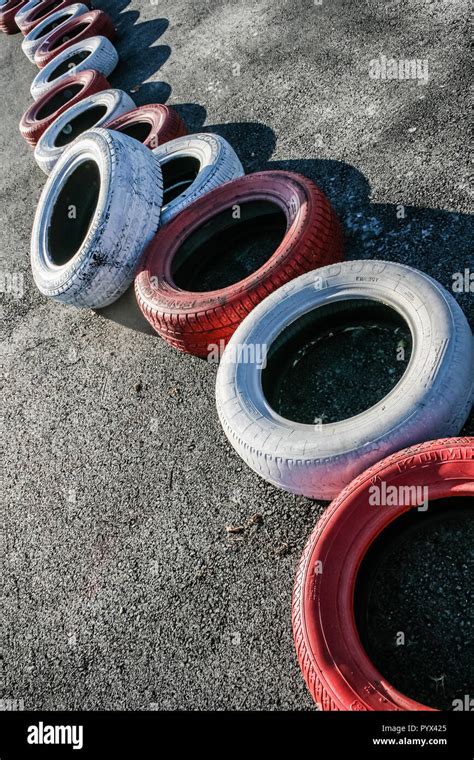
<point>58,100</point>
<point>73,212</point>
<point>414,602</point>
<point>44,10</point>
<point>81,123</point>
<point>336,361</point>
<point>67,65</point>
<point>139,130</point>
<point>229,247</point>
<point>50,27</point>
<point>69,36</point>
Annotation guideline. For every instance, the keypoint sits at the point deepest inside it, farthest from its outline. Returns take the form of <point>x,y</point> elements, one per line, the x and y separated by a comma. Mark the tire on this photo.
<point>35,12</point>
<point>8,12</point>
<point>336,668</point>
<point>152,124</point>
<point>41,31</point>
<point>48,152</point>
<point>66,93</point>
<point>22,13</point>
<point>432,399</point>
<point>89,24</point>
<point>98,53</point>
<point>123,179</point>
<point>196,321</point>
<point>218,163</point>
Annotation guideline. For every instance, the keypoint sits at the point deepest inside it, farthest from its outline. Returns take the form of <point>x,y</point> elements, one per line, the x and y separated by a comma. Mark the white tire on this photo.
<point>91,112</point>
<point>207,159</point>
<point>432,399</point>
<point>25,9</point>
<point>99,209</point>
<point>34,39</point>
<point>94,53</point>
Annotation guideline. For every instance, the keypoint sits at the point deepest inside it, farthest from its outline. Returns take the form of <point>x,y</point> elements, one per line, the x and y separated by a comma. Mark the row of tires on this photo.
<point>131,197</point>
<point>121,231</point>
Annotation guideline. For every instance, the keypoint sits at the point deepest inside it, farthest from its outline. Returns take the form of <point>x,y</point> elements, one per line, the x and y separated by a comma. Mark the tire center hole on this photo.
<point>81,123</point>
<point>140,130</point>
<point>73,212</point>
<point>178,175</point>
<point>69,36</point>
<point>52,26</point>
<point>45,10</point>
<point>58,100</point>
<point>229,247</point>
<point>67,66</point>
<point>413,603</point>
<point>336,361</point>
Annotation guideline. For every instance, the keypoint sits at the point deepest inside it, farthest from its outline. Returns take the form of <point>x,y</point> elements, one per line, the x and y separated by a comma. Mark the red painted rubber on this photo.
<point>336,668</point>
<point>79,28</point>
<point>7,16</point>
<point>66,93</point>
<point>164,122</point>
<point>191,321</point>
<point>40,11</point>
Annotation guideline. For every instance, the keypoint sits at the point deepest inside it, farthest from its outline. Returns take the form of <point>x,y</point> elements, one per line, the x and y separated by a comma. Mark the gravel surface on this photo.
<point>123,587</point>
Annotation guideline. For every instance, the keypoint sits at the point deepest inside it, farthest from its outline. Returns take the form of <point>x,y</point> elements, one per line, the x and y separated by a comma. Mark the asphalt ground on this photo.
<point>122,587</point>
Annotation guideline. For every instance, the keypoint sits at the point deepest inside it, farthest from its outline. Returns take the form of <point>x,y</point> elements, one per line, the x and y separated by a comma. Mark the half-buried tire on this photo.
<point>282,225</point>
<point>432,398</point>
<point>98,210</point>
<point>86,114</point>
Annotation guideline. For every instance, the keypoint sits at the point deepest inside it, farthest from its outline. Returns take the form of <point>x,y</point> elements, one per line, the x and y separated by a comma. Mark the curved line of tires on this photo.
<point>145,195</point>
<point>52,22</point>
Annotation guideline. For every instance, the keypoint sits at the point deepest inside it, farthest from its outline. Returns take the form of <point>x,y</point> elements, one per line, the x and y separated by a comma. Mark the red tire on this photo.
<point>41,114</point>
<point>43,9</point>
<point>7,16</point>
<point>336,668</point>
<point>152,124</point>
<point>191,321</point>
<point>79,28</point>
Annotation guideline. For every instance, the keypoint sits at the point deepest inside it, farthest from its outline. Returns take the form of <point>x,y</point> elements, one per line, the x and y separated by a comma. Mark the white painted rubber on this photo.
<point>123,221</point>
<point>23,12</point>
<point>98,52</point>
<point>218,164</point>
<point>116,102</point>
<point>432,399</point>
<point>34,39</point>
